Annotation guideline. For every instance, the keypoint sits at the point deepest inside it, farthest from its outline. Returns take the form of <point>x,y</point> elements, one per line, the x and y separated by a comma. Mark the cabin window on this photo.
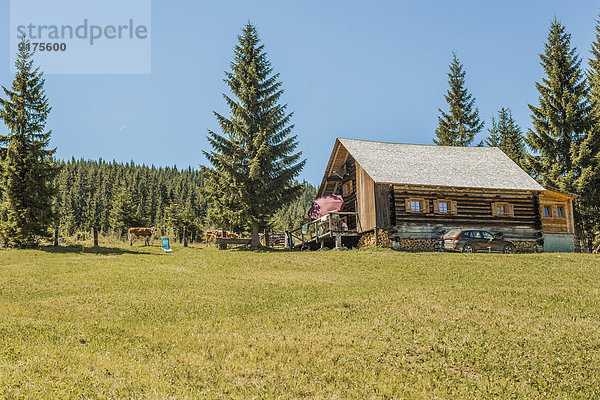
<point>560,211</point>
<point>547,211</point>
<point>415,206</point>
<point>503,210</point>
<point>347,188</point>
<point>443,207</point>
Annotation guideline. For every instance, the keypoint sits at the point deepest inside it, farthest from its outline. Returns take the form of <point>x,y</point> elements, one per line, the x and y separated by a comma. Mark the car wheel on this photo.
<point>467,248</point>
<point>508,249</point>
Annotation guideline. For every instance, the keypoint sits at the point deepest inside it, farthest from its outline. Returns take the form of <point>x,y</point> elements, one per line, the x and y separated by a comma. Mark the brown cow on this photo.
<point>145,233</point>
<point>211,236</point>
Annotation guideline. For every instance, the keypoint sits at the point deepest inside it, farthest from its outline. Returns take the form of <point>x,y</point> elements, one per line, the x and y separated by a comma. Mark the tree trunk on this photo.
<point>255,238</point>
<point>95,232</point>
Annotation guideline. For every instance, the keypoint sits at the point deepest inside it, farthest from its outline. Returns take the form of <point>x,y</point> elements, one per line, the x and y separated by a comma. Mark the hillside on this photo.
<point>135,323</point>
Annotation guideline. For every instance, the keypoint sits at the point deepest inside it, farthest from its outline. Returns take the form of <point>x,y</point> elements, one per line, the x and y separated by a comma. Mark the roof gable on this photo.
<point>429,165</point>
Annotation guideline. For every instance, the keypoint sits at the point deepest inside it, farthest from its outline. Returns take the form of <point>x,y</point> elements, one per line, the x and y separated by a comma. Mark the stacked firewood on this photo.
<point>368,239</point>
<point>273,239</point>
<point>419,244</point>
<point>525,247</point>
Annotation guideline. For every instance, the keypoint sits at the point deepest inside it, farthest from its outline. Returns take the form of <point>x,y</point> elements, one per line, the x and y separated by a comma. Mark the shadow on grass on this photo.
<point>79,249</point>
<point>259,249</point>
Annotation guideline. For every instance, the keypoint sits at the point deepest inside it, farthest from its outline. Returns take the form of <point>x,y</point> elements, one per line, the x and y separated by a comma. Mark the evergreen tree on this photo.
<point>174,218</point>
<point>123,213</point>
<point>178,217</point>
<point>506,134</point>
<point>27,168</point>
<point>561,118</point>
<point>588,160</point>
<point>461,124</point>
<point>254,162</point>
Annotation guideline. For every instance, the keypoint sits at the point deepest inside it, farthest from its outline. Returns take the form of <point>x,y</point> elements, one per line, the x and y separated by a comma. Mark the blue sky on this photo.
<point>360,69</point>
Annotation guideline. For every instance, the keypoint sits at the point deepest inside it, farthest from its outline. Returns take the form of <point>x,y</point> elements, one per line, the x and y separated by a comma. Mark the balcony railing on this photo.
<point>334,224</point>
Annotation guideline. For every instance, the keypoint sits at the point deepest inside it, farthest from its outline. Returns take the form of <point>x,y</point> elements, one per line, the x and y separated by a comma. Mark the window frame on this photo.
<point>445,209</point>
<point>423,205</point>
<point>556,210</point>
<point>347,188</point>
<point>415,206</point>
<point>509,209</point>
<point>451,207</point>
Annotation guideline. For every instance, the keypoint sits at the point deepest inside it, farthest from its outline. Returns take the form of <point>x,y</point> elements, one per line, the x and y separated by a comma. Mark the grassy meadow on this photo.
<point>125,322</point>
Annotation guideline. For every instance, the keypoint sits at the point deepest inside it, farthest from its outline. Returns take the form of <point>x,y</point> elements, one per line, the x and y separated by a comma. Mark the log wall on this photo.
<point>472,209</point>
<point>555,223</point>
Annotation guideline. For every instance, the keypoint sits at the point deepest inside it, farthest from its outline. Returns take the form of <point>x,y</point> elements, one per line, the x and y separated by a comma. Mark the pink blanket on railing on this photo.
<point>323,205</point>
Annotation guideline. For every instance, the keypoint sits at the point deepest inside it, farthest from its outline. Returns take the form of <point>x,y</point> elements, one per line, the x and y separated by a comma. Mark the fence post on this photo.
<point>95,233</point>
<point>338,241</point>
<point>56,236</point>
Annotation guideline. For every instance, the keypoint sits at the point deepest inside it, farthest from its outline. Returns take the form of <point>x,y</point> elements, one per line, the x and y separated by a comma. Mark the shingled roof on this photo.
<point>464,167</point>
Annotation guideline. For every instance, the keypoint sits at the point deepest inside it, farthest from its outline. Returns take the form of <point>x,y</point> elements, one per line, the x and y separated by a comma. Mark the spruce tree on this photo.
<point>254,161</point>
<point>123,211</point>
<point>588,159</point>
<point>459,126</point>
<point>27,167</point>
<point>178,216</point>
<point>561,118</point>
<point>507,135</point>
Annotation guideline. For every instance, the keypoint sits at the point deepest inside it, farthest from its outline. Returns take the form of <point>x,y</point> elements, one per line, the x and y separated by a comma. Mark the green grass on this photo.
<point>135,323</point>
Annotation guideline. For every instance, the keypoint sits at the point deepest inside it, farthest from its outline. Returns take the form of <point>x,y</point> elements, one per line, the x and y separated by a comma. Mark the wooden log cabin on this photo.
<point>417,193</point>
